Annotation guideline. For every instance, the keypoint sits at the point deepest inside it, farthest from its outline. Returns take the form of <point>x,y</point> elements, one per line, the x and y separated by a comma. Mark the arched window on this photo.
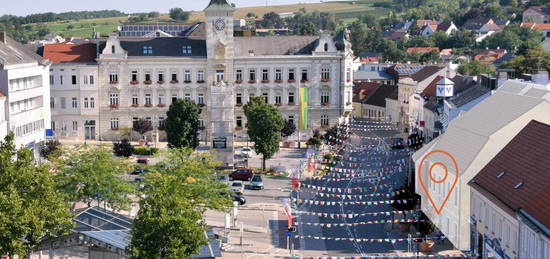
<point>113,49</point>
<point>326,47</point>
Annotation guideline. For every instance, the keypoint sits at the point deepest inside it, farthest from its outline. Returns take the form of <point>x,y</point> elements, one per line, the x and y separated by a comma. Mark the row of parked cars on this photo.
<point>237,186</point>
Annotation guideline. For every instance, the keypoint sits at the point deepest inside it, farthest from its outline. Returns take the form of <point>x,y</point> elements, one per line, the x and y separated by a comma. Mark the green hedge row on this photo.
<point>142,151</point>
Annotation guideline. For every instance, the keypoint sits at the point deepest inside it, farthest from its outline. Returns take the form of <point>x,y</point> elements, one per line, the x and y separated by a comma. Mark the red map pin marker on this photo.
<point>442,164</point>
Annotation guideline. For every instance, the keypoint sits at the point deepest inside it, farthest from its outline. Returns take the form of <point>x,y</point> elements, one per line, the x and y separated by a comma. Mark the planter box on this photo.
<point>252,81</point>
<point>148,82</point>
<point>325,80</point>
<point>160,82</point>
<point>238,81</point>
<point>174,82</point>
<point>278,81</point>
<point>113,106</point>
<point>161,105</point>
<point>291,104</point>
<point>135,105</point>
<point>292,81</point>
<point>148,105</point>
<point>134,82</point>
<point>187,82</point>
<point>265,81</point>
<point>113,82</point>
<point>114,129</point>
<point>200,82</point>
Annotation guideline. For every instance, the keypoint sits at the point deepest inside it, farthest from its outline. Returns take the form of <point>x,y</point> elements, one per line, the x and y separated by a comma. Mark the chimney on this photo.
<point>3,37</point>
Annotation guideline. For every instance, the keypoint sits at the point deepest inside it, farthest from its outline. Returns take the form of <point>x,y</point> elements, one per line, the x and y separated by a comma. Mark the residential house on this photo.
<point>399,71</point>
<point>74,86</point>
<point>484,27</point>
<point>430,29</point>
<point>421,50</point>
<point>373,106</point>
<point>537,14</point>
<point>408,86</point>
<point>488,56</point>
<point>421,23</point>
<point>25,86</point>
<point>396,35</point>
<point>510,203</point>
<point>361,91</point>
<point>542,27</point>
<point>473,139</point>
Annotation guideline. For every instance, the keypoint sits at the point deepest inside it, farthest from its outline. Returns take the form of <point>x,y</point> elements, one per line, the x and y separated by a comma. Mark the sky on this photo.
<point>25,7</point>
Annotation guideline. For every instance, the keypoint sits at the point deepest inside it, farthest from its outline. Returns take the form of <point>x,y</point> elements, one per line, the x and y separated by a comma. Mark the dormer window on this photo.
<point>186,50</point>
<point>113,49</point>
<point>147,50</point>
<point>326,47</point>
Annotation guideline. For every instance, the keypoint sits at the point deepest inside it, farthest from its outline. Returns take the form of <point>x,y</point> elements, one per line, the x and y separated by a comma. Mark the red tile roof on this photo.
<point>430,90</point>
<point>422,49</point>
<point>422,23</point>
<point>488,56</point>
<point>61,53</point>
<point>524,167</point>
<point>363,90</point>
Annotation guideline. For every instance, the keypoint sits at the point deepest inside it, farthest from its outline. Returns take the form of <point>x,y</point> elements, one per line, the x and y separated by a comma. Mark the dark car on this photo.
<point>243,174</point>
<point>239,198</point>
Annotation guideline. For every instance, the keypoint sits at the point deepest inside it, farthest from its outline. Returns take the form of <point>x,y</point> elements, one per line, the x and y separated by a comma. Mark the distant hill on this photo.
<point>342,10</point>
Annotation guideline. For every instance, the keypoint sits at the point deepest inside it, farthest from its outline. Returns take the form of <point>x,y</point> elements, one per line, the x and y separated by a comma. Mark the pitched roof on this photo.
<point>215,4</point>
<point>536,26</point>
<point>404,69</point>
<point>62,53</point>
<point>476,23</point>
<point>394,35</point>
<point>493,27</point>
<point>518,175</point>
<point>422,23</point>
<point>467,134</point>
<point>444,26</point>
<point>468,95</point>
<point>543,10</point>
<point>274,45</point>
<point>425,72</point>
<point>162,47</point>
<point>13,53</point>
<point>430,90</point>
<point>422,49</point>
<point>363,90</point>
<point>371,75</point>
<point>378,97</point>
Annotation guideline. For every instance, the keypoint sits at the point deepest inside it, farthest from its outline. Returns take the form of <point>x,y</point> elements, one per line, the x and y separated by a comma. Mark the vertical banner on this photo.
<point>304,99</point>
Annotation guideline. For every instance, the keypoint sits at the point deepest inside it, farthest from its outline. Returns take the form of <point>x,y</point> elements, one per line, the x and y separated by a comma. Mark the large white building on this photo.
<point>473,139</point>
<point>74,100</point>
<point>140,77</point>
<point>24,83</point>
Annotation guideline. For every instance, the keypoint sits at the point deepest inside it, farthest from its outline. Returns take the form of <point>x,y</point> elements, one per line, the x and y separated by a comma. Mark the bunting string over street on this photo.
<point>356,215</point>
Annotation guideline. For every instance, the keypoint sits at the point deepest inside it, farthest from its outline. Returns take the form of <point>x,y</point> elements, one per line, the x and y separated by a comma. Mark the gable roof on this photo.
<point>363,90</point>
<point>378,97</point>
<point>425,72</point>
<point>394,35</point>
<point>13,53</point>
<point>542,10</point>
<point>218,4</point>
<point>162,47</point>
<point>400,70</point>
<point>430,90</point>
<point>77,53</point>
<point>536,26</point>
<point>467,134</point>
<point>422,23</point>
<point>275,45</point>
<point>444,26</point>
<point>476,23</point>
<point>523,166</point>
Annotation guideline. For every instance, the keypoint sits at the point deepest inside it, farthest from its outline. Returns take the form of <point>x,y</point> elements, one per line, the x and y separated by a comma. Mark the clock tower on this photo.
<point>220,78</point>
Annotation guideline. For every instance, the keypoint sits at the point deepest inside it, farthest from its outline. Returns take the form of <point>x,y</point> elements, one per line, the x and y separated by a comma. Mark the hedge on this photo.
<point>142,151</point>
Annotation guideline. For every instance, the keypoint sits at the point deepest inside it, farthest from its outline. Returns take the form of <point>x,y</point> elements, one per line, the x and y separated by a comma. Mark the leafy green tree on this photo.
<point>513,37</point>
<point>430,57</point>
<point>251,15</point>
<point>30,206</point>
<point>123,148</point>
<point>534,60</point>
<point>179,14</point>
<point>182,124</point>
<point>390,51</point>
<point>85,174</point>
<point>153,15</point>
<point>51,147</point>
<point>288,129</point>
<point>172,226</point>
<point>475,68</point>
<point>264,127</point>
<point>272,20</point>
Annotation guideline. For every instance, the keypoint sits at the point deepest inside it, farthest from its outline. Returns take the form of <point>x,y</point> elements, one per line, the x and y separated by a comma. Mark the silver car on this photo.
<point>237,187</point>
<point>257,183</point>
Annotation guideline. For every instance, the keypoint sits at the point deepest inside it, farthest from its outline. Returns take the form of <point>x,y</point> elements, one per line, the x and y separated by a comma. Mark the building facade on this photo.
<point>140,77</point>
<point>25,85</point>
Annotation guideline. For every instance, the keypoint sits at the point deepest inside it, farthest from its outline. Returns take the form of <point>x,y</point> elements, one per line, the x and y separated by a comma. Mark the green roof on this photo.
<point>218,4</point>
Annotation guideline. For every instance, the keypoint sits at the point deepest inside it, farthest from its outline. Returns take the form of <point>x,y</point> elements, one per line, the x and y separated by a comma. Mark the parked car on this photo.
<point>224,179</point>
<point>257,183</point>
<point>237,187</point>
<point>142,160</point>
<point>239,198</point>
<point>243,174</point>
<point>246,152</point>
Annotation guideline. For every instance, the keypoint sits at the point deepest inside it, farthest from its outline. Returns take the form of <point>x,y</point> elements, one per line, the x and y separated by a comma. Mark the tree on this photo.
<point>430,57</point>
<point>142,126</point>
<point>331,135</point>
<point>272,20</point>
<point>251,15</point>
<point>179,14</point>
<point>172,226</point>
<point>288,129</point>
<point>182,124</point>
<point>31,208</point>
<point>513,37</point>
<point>264,127</point>
<point>153,15</point>
<point>87,173</point>
<point>534,60</point>
<point>123,148</point>
<point>475,68</point>
<point>51,147</point>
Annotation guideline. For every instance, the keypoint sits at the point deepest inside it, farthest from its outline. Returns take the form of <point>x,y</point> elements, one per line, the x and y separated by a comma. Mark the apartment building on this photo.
<point>25,85</point>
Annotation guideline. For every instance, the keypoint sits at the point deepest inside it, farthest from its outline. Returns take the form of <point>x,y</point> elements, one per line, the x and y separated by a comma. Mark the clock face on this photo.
<point>219,24</point>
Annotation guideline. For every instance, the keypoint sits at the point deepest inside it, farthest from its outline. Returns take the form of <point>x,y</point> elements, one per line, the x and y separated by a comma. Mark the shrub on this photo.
<point>328,156</point>
<point>123,148</point>
<point>314,141</point>
<point>50,147</point>
<point>142,151</point>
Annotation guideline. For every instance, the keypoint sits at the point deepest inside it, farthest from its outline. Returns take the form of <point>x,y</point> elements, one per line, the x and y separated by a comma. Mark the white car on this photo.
<point>237,187</point>
<point>246,152</point>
